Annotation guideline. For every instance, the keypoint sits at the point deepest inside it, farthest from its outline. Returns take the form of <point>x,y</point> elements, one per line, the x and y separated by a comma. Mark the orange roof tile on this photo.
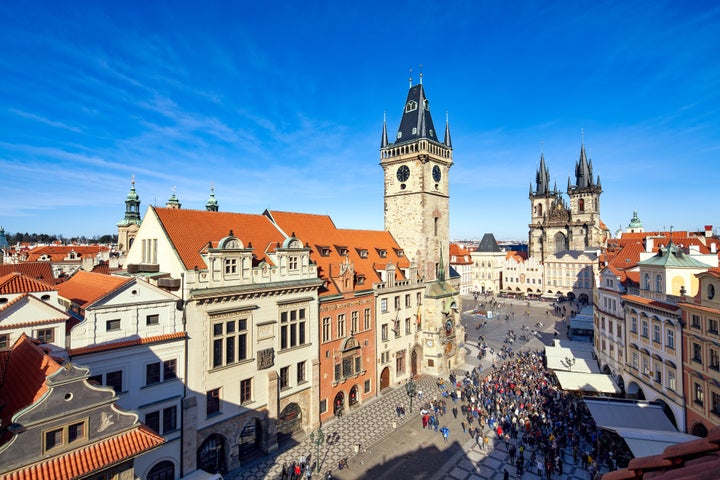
<point>84,288</point>
<point>38,270</point>
<point>651,302</point>
<point>102,347</point>
<point>58,253</point>
<point>320,231</point>
<point>91,459</point>
<point>191,230</point>
<point>19,283</point>
<point>24,377</point>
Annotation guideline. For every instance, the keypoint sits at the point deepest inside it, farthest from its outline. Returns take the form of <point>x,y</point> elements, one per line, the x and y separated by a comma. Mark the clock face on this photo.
<point>403,173</point>
<point>437,174</point>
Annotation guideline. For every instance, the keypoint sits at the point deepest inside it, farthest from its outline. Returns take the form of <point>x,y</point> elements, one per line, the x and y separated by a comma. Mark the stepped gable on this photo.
<point>191,230</point>
<point>85,288</point>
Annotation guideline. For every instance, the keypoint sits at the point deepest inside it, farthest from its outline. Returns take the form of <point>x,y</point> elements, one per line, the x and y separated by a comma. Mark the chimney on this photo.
<point>708,231</point>
<point>649,243</point>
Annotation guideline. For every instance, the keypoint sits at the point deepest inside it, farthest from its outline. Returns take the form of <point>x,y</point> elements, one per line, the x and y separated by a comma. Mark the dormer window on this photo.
<point>414,131</point>
<point>382,253</point>
<point>363,253</point>
<point>400,252</point>
<point>343,251</point>
<point>361,279</point>
<point>324,251</point>
<point>411,106</point>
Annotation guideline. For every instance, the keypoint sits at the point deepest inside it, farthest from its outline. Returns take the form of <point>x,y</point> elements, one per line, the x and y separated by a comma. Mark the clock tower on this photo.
<point>416,167</point>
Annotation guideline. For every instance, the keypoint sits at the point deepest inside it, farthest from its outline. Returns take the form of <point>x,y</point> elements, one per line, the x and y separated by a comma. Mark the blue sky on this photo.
<point>280,105</point>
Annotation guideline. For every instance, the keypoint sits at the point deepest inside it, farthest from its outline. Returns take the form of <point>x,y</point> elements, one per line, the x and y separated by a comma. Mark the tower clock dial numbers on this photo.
<point>436,173</point>
<point>403,173</point>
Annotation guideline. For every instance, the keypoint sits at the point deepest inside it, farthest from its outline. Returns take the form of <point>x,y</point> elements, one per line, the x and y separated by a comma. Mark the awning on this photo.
<point>587,382</point>
<point>643,426</point>
<point>572,357</point>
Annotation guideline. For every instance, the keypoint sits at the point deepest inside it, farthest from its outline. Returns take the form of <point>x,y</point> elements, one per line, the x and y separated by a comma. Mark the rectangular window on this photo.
<point>695,321</point>
<point>407,326</point>
<point>644,332</point>
<point>418,298</point>
<point>323,405</point>
<point>383,305</point>
<point>284,377</point>
<point>53,438</point>
<point>112,325</point>
<point>354,317</point>
<point>169,369</point>
<point>338,372</point>
<point>366,319</point>
<point>656,334</point>
<point>115,380</point>
<point>76,431</point>
<point>152,319</point>
<point>45,335</point>
<point>230,266</point>
<point>397,302</point>
<point>341,325</point>
<point>645,366</point>
<point>229,342</point>
<point>715,406</point>
<point>385,332</point>
<point>212,402</point>
<point>697,353</point>
<point>293,263</point>
<point>712,326</point>
<point>169,419</point>
<point>671,380</point>
<point>635,360</point>
<point>301,372</point>
<point>633,325</point>
<point>366,386</point>
<point>4,340</point>
<point>407,300</point>
<point>658,374</point>
<point>619,331</point>
<point>714,362</point>
<point>246,391</point>
<point>152,373</point>
<point>326,329</point>
<point>699,395</point>
<point>152,420</point>
<point>292,328</point>
<point>670,338</point>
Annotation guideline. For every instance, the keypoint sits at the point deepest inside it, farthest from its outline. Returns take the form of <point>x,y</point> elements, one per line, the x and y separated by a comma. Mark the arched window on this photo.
<point>658,283</point>
<point>164,470</point>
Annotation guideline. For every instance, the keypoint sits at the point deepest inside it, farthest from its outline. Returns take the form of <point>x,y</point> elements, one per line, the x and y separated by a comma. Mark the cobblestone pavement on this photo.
<point>379,445</point>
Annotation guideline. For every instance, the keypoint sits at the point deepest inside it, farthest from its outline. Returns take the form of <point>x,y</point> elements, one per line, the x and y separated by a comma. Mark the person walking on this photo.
<point>512,453</point>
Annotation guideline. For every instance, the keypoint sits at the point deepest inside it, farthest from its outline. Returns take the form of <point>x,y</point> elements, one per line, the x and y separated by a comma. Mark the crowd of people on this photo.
<point>517,404</point>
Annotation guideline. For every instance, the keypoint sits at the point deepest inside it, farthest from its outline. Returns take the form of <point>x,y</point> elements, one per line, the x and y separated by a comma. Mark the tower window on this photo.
<point>581,205</point>
<point>435,226</point>
<point>411,107</point>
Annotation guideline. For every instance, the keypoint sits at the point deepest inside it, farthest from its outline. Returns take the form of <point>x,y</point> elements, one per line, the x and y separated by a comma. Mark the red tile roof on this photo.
<point>319,232</point>
<point>92,458</point>
<point>697,459</point>
<point>38,270</point>
<point>58,253</point>
<point>651,302</point>
<point>125,343</point>
<point>19,283</point>
<point>462,255</point>
<point>84,288</point>
<point>191,230</point>
<point>24,378</point>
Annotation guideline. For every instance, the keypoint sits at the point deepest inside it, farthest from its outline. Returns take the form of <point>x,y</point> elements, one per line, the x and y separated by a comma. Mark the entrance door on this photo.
<point>211,454</point>
<point>250,440</point>
<point>384,378</point>
<point>339,403</point>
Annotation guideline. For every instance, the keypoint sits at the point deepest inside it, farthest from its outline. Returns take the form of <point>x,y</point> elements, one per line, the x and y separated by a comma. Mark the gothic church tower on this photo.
<point>416,168</point>
<point>585,229</point>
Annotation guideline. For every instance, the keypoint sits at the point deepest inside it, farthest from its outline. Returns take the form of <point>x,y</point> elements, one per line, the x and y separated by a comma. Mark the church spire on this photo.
<point>447,141</point>
<point>384,140</point>
<point>583,170</point>
<point>441,268</point>
<point>542,178</point>
<point>173,201</point>
<point>212,203</point>
<point>416,120</point>
<point>132,207</point>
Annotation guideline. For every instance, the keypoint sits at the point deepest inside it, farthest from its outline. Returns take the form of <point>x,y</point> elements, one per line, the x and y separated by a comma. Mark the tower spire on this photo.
<point>447,141</point>
<point>384,140</point>
<point>212,203</point>
<point>441,268</point>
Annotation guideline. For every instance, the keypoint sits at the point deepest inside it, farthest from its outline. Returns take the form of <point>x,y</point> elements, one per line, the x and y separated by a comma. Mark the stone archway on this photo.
<point>634,391</point>
<point>354,396</point>
<point>289,422</point>
<point>384,378</point>
<point>668,411</point>
<point>250,440</point>
<point>211,454</point>
<point>164,470</point>
<point>583,298</point>
<point>339,402</point>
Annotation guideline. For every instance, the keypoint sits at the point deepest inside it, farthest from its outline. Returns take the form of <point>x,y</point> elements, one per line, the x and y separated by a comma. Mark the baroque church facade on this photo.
<point>556,225</point>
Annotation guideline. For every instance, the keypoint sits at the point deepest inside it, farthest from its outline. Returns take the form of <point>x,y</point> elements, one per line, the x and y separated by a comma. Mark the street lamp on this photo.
<point>411,389</point>
<point>317,438</point>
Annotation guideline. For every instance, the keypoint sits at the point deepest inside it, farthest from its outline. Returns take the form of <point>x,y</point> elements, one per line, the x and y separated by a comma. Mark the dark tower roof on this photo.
<point>447,141</point>
<point>542,178</point>
<point>416,120</point>
<point>583,170</point>
<point>384,140</point>
<point>132,208</point>
<point>488,244</point>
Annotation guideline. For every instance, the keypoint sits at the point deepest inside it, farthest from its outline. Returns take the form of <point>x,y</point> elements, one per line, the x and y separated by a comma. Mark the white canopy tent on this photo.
<point>587,382</point>
<point>572,357</point>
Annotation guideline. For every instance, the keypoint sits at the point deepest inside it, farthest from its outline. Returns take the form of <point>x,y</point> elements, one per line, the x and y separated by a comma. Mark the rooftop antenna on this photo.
<point>410,79</point>
<point>421,74</point>
<point>582,136</point>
